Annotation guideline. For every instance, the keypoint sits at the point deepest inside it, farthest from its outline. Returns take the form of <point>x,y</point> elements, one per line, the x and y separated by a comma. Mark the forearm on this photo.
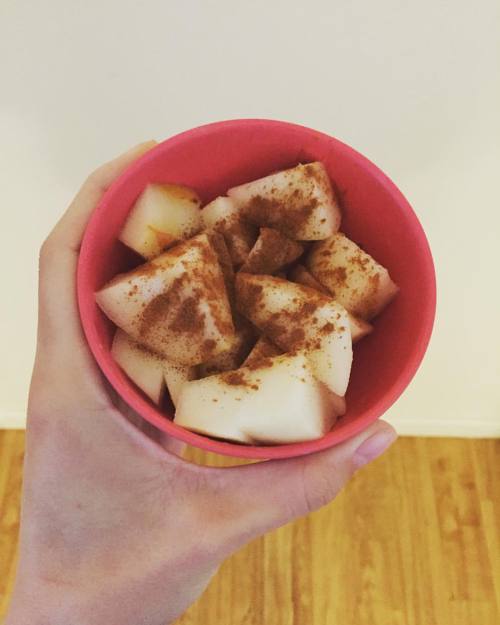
<point>133,597</point>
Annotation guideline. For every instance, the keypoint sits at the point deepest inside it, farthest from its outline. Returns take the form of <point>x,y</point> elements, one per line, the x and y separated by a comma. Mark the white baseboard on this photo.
<point>449,428</point>
<point>405,427</point>
<point>12,420</point>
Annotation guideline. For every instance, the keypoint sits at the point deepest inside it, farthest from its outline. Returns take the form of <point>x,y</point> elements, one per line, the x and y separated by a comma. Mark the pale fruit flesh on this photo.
<point>176,305</point>
<point>352,276</point>
<point>241,344</point>
<point>272,251</point>
<point>359,327</point>
<point>299,202</point>
<point>263,349</point>
<point>249,325</point>
<point>176,376</point>
<point>277,402</point>
<point>295,317</point>
<point>162,216</point>
<point>301,275</point>
<point>222,215</point>
<point>219,245</point>
<point>142,366</point>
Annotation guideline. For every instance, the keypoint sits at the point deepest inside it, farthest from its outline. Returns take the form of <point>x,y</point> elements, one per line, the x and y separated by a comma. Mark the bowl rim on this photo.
<point>86,304</point>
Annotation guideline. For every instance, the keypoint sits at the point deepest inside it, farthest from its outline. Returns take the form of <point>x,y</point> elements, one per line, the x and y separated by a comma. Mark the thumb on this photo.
<point>275,492</point>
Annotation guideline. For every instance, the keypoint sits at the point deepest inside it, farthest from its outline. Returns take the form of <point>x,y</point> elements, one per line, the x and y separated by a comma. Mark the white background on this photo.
<point>413,85</point>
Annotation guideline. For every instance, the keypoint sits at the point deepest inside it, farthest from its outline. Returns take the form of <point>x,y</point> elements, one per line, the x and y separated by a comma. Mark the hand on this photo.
<point>116,528</point>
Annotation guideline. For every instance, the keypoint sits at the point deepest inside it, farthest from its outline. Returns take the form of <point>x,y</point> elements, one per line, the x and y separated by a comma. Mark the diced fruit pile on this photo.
<point>247,309</point>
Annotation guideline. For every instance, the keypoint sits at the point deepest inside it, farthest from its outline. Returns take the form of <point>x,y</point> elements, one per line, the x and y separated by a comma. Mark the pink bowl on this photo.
<point>215,157</point>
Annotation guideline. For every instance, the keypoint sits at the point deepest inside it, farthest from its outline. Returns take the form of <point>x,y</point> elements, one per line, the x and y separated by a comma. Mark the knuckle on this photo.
<point>46,250</point>
<point>95,179</point>
<point>39,423</point>
<point>321,483</point>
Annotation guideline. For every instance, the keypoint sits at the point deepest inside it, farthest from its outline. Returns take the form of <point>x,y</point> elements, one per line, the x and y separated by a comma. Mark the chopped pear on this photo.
<point>280,402</point>
<point>301,275</point>
<point>233,357</point>
<point>143,367</point>
<point>359,327</point>
<point>262,349</point>
<point>272,251</point>
<point>222,215</point>
<point>148,370</point>
<point>163,215</point>
<point>299,202</point>
<point>296,317</point>
<point>352,276</point>
<point>176,376</point>
<point>176,305</point>
<point>218,242</point>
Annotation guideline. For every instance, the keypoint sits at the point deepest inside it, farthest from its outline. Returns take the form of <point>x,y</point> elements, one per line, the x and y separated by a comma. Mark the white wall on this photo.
<point>413,85</point>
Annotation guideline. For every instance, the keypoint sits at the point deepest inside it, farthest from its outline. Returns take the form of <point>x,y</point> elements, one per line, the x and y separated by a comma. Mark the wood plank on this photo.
<point>11,460</point>
<point>413,539</point>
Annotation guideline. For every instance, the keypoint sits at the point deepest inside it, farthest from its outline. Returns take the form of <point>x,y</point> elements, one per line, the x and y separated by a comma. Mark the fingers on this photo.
<point>63,361</point>
<point>69,230</point>
<point>270,494</point>
<point>58,312</point>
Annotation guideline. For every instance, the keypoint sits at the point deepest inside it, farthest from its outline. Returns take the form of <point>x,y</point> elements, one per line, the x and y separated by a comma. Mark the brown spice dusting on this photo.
<point>262,363</point>
<point>208,346</point>
<point>188,319</point>
<point>271,252</point>
<point>361,260</point>
<point>340,275</point>
<point>235,378</point>
<point>288,213</point>
<point>374,280</point>
<point>308,308</point>
<point>328,328</point>
<point>296,336</point>
<point>368,308</point>
<point>154,312</point>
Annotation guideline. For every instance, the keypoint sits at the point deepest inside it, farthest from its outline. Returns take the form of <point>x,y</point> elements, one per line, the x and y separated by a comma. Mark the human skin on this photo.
<point>116,527</point>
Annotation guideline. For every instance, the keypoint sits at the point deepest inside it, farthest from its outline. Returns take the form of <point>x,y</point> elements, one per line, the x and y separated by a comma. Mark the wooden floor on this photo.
<point>413,540</point>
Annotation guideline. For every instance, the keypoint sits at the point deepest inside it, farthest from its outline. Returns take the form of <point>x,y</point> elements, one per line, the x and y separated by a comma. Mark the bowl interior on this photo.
<point>375,214</point>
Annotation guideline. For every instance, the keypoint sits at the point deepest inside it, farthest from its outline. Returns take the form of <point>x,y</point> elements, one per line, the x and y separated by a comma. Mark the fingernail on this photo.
<point>373,447</point>
<point>144,146</point>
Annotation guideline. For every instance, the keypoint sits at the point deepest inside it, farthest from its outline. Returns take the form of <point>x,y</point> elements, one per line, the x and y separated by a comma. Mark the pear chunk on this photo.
<point>223,216</point>
<point>272,251</point>
<point>296,317</point>
<point>352,276</point>
<point>359,327</point>
<point>147,370</point>
<point>163,215</point>
<point>299,202</point>
<point>279,401</point>
<point>176,305</point>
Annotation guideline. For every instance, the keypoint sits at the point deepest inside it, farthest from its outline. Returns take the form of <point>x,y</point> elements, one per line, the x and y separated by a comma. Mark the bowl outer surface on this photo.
<point>215,157</point>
